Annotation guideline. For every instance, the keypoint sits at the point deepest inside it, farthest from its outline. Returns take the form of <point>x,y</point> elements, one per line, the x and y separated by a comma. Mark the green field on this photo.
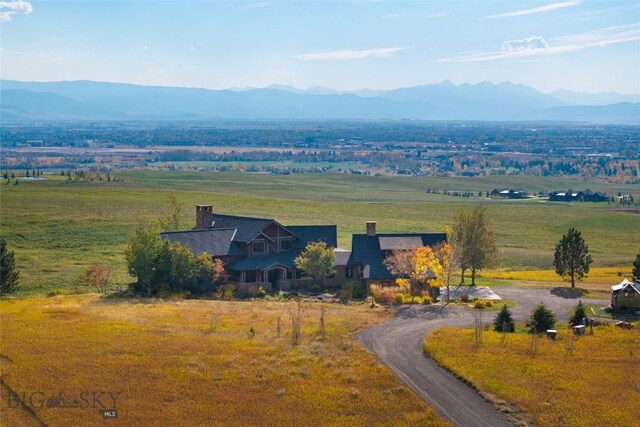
<point>57,227</point>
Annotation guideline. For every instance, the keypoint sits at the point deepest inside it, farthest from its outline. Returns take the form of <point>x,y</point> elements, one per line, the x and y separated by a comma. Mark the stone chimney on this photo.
<point>371,228</point>
<point>203,216</point>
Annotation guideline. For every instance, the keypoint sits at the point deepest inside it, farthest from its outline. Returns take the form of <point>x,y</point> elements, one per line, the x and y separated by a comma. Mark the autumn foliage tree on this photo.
<point>210,271</point>
<point>98,276</point>
<point>421,268</point>
<point>443,265</point>
<point>170,218</point>
<point>316,260</point>
<point>475,241</point>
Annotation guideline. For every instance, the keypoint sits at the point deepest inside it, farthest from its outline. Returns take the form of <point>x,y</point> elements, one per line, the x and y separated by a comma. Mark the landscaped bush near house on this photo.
<point>542,318</point>
<point>225,291</point>
<point>578,314</point>
<point>504,320</point>
<point>385,294</point>
<point>399,299</point>
<point>353,289</point>
<point>479,304</point>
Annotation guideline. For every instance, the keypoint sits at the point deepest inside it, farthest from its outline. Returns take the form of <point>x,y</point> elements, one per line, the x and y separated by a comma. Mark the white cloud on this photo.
<point>536,45</point>
<point>350,54</point>
<point>393,16</point>
<point>540,9</point>
<point>10,8</point>
<point>529,43</point>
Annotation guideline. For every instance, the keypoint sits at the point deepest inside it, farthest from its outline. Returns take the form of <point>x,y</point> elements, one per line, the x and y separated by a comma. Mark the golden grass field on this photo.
<point>193,362</point>
<point>598,384</point>
<point>596,278</point>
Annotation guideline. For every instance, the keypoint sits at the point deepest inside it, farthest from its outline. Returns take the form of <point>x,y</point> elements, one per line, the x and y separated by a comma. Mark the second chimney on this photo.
<point>203,216</point>
<point>371,228</point>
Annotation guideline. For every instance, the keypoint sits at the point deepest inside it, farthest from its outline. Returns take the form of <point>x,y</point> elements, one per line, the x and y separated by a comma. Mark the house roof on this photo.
<point>625,284</point>
<point>342,257</point>
<point>367,251</point>
<point>390,243</point>
<point>216,242</point>
<point>285,259</point>
<point>247,228</point>
<point>314,233</point>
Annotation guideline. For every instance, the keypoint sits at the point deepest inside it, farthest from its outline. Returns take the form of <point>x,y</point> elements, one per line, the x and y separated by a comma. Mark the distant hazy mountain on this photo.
<point>622,113</point>
<point>483,101</point>
<point>602,98</point>
<point>445,101</point>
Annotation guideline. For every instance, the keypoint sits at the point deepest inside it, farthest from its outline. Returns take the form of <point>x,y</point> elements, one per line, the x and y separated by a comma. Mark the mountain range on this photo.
<point>89,100</point>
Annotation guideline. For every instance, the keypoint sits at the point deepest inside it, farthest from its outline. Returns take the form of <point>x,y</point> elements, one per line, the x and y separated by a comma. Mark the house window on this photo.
<point>258,247</point>
<point>285,244</point>
<point>349,272</point>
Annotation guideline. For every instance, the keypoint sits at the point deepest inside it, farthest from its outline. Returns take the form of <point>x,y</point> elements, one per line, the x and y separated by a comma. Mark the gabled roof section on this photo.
<point>624,285</point>
<point>285,259</point>
<point>247,228</point>
<point>216,242</point>
<point>314,233</point>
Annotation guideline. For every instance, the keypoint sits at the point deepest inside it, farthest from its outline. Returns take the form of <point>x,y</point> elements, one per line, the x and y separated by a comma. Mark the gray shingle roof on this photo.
<point>390,243</point>
<point>247,228</point>
<point>342,257</point>
<point>216,242</point>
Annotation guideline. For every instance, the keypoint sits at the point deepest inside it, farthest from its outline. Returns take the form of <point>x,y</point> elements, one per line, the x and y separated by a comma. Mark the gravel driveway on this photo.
<point>398,344</point>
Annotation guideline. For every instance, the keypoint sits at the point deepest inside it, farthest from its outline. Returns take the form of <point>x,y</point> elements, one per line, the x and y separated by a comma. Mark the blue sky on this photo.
<point>590,46</point>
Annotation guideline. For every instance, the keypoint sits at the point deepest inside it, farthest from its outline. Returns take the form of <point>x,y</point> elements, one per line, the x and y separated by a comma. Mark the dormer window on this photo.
<point>285,245</point>
<point>258,247</point>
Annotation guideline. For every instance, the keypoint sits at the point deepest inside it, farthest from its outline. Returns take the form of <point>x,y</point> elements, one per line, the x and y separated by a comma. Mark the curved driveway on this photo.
<point>398,344</point>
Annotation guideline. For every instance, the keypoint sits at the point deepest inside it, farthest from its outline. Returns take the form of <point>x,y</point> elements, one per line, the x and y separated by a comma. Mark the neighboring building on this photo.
<point>261,251</point>
<point>578,196</point>
<point>368,252</point>
<point>626,295</point>
<point>509,193</point>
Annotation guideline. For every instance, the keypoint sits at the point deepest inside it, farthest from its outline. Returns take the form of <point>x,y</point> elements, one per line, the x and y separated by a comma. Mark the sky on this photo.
<point>585,46</point>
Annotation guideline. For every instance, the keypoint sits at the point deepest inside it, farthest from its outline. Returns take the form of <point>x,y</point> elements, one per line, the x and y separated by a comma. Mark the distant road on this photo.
<point>398,344</point>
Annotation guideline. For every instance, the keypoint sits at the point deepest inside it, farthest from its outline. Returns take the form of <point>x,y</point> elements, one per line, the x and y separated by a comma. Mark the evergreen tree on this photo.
<point>542,318</point>
<point>578,314</point>
<point>504,321</point>
<point>9,275</point>
<point>636,268</point>
<point>572,257</point>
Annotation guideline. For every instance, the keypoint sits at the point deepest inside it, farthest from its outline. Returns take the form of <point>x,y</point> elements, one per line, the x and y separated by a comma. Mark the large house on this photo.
<point>261,251</point>
<point>578,196</point>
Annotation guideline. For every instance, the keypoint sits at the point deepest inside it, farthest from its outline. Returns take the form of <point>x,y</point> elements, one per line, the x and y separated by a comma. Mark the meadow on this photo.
<point>582,381</point>
<point>198,362</point>
<point>58,227</point>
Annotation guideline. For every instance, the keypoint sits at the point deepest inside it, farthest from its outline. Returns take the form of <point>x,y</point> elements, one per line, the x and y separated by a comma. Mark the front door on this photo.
<point>273,276</point>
